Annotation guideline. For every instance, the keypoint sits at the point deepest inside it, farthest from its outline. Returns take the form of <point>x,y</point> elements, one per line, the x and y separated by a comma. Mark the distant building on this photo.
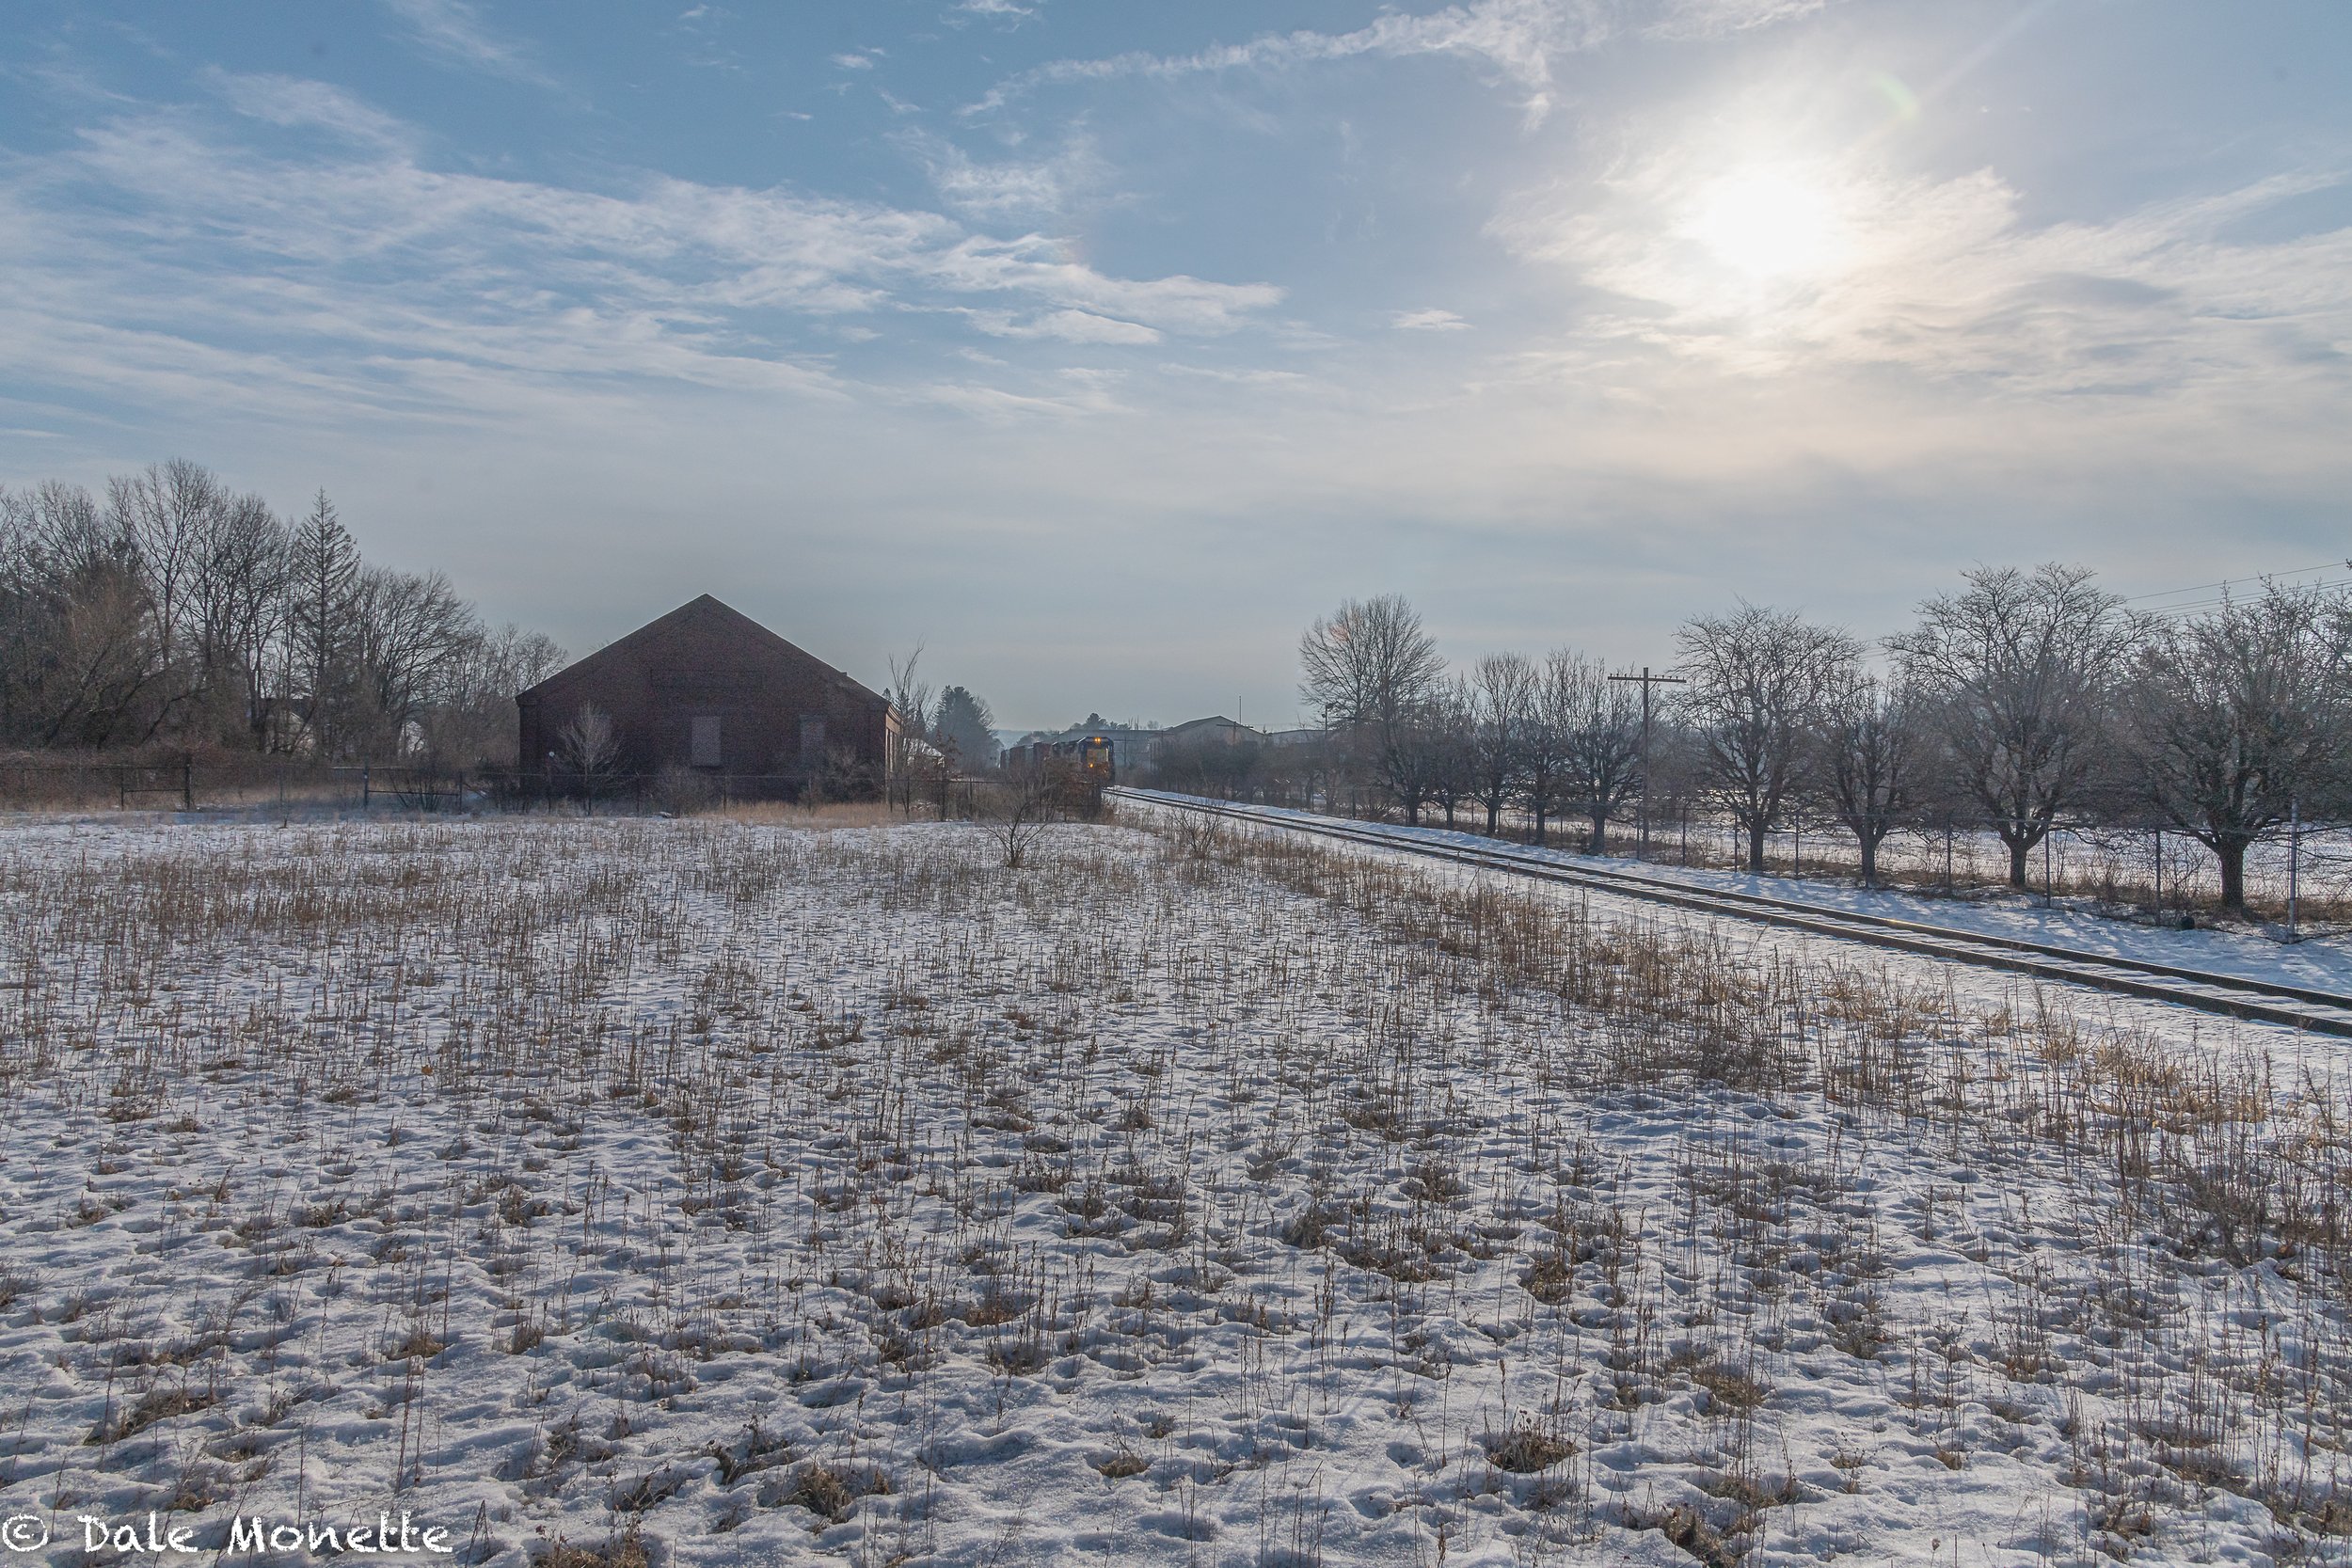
<point>710,688</point>
<point>1214,730</point>
<point>1216,755</point>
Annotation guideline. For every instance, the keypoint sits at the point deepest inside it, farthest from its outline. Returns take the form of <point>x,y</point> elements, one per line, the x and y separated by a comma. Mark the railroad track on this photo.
<point>2294,1006</point>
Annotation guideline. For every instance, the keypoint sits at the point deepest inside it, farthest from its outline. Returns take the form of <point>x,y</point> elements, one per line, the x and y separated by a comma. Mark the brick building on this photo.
<point>710,688</point>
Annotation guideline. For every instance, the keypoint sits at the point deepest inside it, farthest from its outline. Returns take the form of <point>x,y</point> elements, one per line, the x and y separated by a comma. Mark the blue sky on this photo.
<point>1099,346</point>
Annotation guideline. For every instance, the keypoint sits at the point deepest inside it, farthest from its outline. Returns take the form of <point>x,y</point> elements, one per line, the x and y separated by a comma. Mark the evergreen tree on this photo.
<point>963,725</point>
<point>325,588</point>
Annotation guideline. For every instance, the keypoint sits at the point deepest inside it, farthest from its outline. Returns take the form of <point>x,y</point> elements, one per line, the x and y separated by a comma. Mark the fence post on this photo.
<point>367,791</point>
<point>2295,857</point>
<point>187,781</point>
<point>123,788</point>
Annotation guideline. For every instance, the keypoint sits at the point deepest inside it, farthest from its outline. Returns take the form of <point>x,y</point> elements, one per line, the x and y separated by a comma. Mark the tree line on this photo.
<point>175,611</point>
<point>2026,701</point>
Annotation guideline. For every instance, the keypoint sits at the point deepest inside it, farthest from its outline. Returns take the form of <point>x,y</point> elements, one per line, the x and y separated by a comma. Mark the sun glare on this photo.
<point>1772,223</point>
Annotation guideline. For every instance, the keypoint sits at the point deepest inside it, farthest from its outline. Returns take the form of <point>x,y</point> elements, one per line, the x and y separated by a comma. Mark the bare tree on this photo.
<point>1543,771</point>
<point>213,568</point>
<point>80,661</point>
<point>169,514</point>
<point>472,722</point>
<point>909,736</point>
<point>2021,668</point>
<point>2236,715</point>
<point>1022,807</point>
<point>1369,669</point>
<point>1758,677</point>
<point>412,637</point>
<point>514,659</point>
<point>179,608</point>
<point>588,747</point>
<point>1445,743</point>
<point>1601,750</point>
<point>53,531</point>
<point>1870,751</point>
<point>1503,694</point>
<point>238,611</point>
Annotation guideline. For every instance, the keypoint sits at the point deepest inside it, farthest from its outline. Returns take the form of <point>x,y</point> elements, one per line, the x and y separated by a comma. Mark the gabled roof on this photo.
<point>1216,720</point>
<point>643,641</point>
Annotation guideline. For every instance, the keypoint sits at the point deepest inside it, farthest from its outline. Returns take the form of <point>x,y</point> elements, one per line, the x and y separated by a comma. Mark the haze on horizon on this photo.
<point>1100,348</point>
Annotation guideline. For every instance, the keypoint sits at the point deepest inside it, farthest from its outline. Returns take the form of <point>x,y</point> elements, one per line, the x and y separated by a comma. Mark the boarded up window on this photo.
<point>812,739</point>
<point>706,741</point>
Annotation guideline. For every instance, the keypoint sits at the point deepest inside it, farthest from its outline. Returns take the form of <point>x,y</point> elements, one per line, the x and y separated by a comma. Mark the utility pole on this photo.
<point>1647,680</point>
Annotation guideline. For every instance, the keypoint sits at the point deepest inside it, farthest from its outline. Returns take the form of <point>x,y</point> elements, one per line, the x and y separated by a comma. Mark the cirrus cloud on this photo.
<point>192,253</point>
<point>1947,279</point>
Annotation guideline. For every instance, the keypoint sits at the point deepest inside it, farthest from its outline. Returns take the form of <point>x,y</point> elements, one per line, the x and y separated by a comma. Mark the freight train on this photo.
<point>1081,767</point>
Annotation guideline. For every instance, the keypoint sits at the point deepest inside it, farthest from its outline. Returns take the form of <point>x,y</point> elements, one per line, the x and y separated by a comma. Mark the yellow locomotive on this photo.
<point>1077,769</point>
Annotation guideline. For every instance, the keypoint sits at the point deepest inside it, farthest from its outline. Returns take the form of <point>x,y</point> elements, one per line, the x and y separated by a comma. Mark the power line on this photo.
<point>2186,605</point>
<point>2228,583</point>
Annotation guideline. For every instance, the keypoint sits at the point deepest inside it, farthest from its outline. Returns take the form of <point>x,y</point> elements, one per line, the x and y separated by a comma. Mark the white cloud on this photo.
<point>1946,279</point>
<point>998,404</point>
<point>1517,39</point>
<point>853,62</point>
<point>1708,19</point>
<point>1006,187</point>
<point>1427,321</point>
<point>452,29</point>
<point>312,106</point>
<point>162,254</point>
<point>1037,265</point>
<point>1069,326</point>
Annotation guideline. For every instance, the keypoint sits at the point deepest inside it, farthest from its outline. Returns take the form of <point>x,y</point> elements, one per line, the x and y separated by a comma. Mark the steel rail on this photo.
<point>2234,996</point>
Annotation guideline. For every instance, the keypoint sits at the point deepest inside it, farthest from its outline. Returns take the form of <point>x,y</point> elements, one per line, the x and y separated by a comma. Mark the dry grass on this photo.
<point>623,1551</point>
<point>833,814</point>
<point>820,1157</point>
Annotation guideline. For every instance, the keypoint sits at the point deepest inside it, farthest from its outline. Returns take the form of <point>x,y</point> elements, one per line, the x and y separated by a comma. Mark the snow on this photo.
<point>2321,964</point>
<point>750,1193</point>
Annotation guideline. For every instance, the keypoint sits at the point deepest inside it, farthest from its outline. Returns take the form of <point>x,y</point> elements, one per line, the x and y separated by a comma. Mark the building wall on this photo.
<point>777,710</point>
<point>1219,729</point>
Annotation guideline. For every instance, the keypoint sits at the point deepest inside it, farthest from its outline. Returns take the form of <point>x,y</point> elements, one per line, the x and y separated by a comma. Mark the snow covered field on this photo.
<point>707,1192</point>
<point>2120,864</point>
<point>2324,964</point>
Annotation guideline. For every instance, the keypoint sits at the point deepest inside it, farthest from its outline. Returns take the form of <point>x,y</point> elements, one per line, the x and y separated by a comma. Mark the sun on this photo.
<point>1773,224</point>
